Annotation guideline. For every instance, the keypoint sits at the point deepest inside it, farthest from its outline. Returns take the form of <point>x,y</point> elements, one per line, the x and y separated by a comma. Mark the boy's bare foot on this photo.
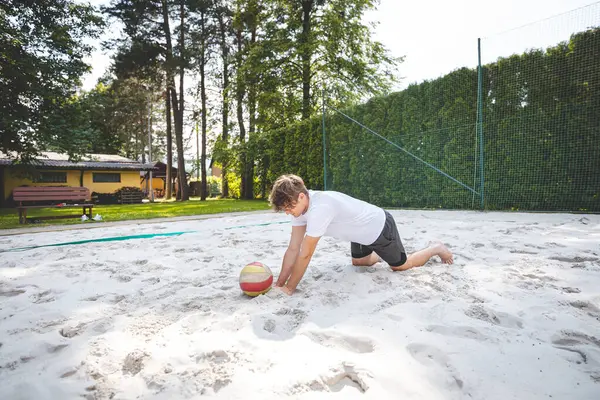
<point>444,253</point>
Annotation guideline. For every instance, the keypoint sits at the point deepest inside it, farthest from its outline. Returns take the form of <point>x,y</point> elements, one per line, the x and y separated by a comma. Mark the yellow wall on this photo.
<point>157,183</point>
<point>12,181</point>
<point>128,178</point>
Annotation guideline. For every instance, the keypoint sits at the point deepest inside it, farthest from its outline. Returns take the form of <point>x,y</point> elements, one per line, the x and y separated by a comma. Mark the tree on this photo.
<point>148,21</point>
<point>224,16</point>
<point>329,44</point>
<point>203,40</point>
<point>137,84</point>
<point>42,51</point>
<point>248,17</point>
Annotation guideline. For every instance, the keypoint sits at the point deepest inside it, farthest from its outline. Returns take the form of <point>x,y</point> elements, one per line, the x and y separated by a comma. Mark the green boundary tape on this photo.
<point>130,237</point>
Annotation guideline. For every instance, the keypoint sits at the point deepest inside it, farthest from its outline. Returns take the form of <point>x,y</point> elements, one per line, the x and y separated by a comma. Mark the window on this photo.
<point>106,177</point>
<point>51,177</point>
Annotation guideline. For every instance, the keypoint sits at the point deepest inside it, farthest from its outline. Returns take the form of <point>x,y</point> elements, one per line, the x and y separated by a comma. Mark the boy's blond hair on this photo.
<point>285,192</point>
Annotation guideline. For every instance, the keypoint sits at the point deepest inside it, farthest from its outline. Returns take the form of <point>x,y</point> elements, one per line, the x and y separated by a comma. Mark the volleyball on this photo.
<point>256,279</point>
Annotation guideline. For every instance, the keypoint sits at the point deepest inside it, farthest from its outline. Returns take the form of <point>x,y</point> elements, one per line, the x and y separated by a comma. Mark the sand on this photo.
<point>517,316</point>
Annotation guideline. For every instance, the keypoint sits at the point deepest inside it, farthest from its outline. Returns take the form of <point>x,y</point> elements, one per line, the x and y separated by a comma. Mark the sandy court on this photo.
<point>516,317</point>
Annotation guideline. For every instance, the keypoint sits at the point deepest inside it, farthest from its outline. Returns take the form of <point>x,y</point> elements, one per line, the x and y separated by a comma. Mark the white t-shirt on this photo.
<point>343,217</point>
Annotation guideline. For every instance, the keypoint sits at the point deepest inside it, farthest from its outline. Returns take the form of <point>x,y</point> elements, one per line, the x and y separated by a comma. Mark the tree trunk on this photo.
<point>180,157</point>
<point>169,178</point>
<point>171,85</point>
<point>249,167</point>
<point>240,112</point>
<point>225,114</point>
<point>140,143</point>
<point>182,193</point>
<point>306,55</point>
<point>203,99</point>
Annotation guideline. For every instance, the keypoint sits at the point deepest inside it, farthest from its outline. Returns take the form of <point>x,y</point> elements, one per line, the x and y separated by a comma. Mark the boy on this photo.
<point>371,230</point>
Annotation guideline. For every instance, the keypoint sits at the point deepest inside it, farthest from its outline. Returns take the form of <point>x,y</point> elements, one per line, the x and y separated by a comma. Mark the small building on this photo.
<point>100,173</point>
<point>159,179</point>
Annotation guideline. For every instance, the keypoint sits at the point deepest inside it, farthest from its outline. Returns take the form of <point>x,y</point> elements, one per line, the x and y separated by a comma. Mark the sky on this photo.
<point>438,36</point>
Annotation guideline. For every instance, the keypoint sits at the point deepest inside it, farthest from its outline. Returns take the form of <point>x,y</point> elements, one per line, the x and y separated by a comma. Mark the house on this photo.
<point>159,179</point>
<point>102,173</point>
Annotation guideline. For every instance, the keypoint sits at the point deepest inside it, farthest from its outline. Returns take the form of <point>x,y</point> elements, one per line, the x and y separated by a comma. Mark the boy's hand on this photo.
<point>286,290</point>
<point>279,283</point>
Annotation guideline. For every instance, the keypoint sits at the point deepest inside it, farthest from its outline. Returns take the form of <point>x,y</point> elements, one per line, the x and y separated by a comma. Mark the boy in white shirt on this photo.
<point>371,230</point>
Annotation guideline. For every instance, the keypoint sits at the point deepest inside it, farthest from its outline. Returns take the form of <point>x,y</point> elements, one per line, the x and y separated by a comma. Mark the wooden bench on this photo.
<point>52,194</point>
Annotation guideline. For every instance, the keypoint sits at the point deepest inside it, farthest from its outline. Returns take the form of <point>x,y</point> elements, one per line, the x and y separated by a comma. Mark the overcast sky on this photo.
<point>437,36</point>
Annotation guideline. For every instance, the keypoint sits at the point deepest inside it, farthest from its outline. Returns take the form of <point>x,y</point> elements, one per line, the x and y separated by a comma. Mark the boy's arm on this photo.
<point>291,254</point>
<point>309,244</point>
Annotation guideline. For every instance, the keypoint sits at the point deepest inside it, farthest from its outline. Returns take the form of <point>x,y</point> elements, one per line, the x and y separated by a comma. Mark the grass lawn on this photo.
<point>9,218</point>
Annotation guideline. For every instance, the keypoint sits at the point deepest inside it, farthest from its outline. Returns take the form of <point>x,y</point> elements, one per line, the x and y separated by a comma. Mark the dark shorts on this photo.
<point>388,245</point>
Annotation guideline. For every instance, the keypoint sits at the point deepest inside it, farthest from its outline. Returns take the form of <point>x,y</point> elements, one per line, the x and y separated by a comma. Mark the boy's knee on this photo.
<point>400,265</point>
<point>403,267</point>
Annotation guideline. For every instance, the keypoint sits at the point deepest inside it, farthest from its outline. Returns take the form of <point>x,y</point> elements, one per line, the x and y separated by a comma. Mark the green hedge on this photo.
<point>541,138</point>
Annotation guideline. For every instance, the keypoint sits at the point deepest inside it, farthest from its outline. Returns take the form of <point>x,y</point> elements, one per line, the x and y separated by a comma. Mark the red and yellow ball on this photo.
<point>256,279</point>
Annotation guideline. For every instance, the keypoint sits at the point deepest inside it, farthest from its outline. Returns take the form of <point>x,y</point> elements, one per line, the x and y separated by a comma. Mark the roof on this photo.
<point>160,171</point>
<point>50,159</point>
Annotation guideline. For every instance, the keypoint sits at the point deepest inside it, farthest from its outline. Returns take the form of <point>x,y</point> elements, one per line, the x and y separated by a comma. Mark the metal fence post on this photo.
<point>480,119</point>
<point>324,142</point>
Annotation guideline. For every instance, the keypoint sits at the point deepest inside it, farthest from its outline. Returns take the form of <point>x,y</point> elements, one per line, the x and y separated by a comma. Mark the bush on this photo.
<point>235,184</point>
<point>214,186</point>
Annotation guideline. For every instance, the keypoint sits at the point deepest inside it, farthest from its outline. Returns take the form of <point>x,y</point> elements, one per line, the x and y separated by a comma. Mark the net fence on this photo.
<point>529,119</point>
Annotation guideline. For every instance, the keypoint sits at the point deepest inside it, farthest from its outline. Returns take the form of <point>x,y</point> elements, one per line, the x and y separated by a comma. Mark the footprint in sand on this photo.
<point>72,331</point>
<point>293,317</point>
<point>269,325</point>
<point>463,332</point>
<point>45,296</point>
<point>575,259</point>
<point>591,309</point>
<point>331,298</point>
<point>497,246</point>
<point>431,356</point>
<point>461,255</point>
<point>544,278</point>
<point>338,340</point>
<point>122,278</point>
<point>335,381</point>
<point>520,251</point>
<point>347,377</point>
<point>134,362</point>
<point>11,293</point>
<point>477,311</point>
<point>55,348</point>
<point>531,281</point>
<point>187,250</point>
<point>576,342</point>
<point>217,368</point>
